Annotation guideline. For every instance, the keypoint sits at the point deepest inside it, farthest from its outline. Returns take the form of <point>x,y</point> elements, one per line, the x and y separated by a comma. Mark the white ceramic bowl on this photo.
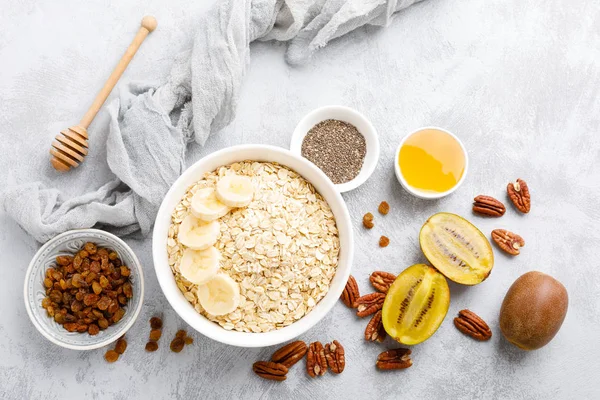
<point>34,292</point>
<point>350,116</point>
<point>419,193</point>
<point>224,157</point>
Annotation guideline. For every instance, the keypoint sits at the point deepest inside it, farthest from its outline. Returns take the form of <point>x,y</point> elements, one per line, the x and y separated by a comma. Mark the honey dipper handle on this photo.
<point>149,23</point>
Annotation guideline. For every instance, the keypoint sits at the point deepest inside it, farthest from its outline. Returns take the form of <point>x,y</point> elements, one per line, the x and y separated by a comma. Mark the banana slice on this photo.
<point>206,206</point>
<point>197,234</point>
<point>220,295</point>
<point>235,190</point>
<point>200,266</point>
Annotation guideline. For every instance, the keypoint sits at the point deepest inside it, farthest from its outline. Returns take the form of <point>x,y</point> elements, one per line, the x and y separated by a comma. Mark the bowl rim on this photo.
<point>122,329</point>
<point>416,192</point>
<point>370,135</point>
<point>235,338</point>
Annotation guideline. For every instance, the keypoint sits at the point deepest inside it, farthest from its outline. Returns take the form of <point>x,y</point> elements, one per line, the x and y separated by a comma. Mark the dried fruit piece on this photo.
<point>156,323</point>
<point>111,356</point>
<point>93,329</point>
<point>121,345</point>
<point>350,293</point>
<point>416,304</point>
<point>456,248</point>
<point>270,370</point>
<point>290,354</point>
<point>384,208</point>
<point>519,195</point>
<point>155,334</point>
<point>375,330</point>
<point>316,363</point>
<point>384,241</point>
<point>151,347</point>
<point>368,221</point>
<point>394,359</point>
<point>471,324</point>
<point>510,242</point>
<point>177,344</point>
<point>188,340</point>
<point>489,206</point>
<point>335,356</point>
<point>181,334</point>
<point>369,304</point>
<point>381,280</point>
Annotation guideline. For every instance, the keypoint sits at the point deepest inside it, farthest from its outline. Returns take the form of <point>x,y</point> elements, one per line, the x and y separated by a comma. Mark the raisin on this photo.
<point>90,247</point>
<point>128,290</point>
<point>118,315</point>
<point>188,340</point>
<point>384,241</point>
<point>95,257</point>
<point>71,326</point>
<point>95,267</point>
<point>104,263</point>
<point>78,281</point>
<point>121,346</point>
<point>103,323</point>
<point>97,289</point>
<point>113,255</point>
<point>77,260</point>
<point>83,254</point>
<point>125,271</point>
<point>56,296</point>
<point>90,299</point>
<point>91,277</point>
<point>156,323</point>
<point>151,346</point>
<point>104,282</point>
<point>82,328</point>
<point>111,356</point>
<point>93,329</point>
<point>122,299</point>
<point>48,283</point>
<point>76,305</point>
<point>57,276</point>
<point>66,298</point>
<point>155,334</point>
<point>59,318</point>
<point>63,284</point>
<point>64,260</point>
<point>79,296</point>
<point>113,307</point>
<point>86,264</point>
<point>177,345</point>
<point>181,334</point>
<point>50,311</point>
<point>117,263</point>
<point>113,294</point>
<point>103,303</point>
<point>46,302</point>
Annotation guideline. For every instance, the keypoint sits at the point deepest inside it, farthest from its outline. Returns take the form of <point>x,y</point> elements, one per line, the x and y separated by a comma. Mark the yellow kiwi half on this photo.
<point>416,304</point>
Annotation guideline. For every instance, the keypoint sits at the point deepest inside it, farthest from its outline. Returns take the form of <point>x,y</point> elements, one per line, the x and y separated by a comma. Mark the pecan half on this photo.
<point>316,363</point>
<point>335,356</point>
<point>382,281</point>
<point>394,359</point>
<point>489,206</point>
<point>471,324</point>
<point>374,330</point>
<point>510,242</point>
<point>350,293</point>
<point>369,304</point>
<point>519,195</point>
<point>290,354</point>
<point>270,370</point>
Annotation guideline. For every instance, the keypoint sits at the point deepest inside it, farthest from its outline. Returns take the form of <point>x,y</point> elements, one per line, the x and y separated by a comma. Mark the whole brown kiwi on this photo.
<point>533,310</point>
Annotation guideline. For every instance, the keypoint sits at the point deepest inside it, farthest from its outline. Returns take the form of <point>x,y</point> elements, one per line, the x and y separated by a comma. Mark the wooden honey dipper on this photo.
<point>70,145</point>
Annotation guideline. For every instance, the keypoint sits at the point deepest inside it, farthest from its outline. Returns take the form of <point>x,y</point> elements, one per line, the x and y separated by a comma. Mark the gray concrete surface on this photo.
<point>517,80</point>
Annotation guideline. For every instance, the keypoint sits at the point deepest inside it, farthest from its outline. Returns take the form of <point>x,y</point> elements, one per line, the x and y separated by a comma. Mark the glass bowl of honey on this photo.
<point>431,163</point>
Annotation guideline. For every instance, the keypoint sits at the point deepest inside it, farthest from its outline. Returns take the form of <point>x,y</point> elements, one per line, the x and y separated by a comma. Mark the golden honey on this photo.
<point>432,161</point>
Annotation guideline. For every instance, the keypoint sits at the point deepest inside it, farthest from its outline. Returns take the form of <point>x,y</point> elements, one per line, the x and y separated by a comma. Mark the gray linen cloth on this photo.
<point>151,126</point>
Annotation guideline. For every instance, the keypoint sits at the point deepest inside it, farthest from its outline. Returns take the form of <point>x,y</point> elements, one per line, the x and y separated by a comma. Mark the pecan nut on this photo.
<point>510,242</point>
<point>519,195</point>
<point>369,304</point>
<point>270,370</point>
<point>394,359</point>
<point>290,354</point>
<point>375,330</point>
<point>489,206</point>
<point>382,281</point>
<point>350,293</point>
<point>335,356</point>
<point>316,363</point>
<point>471,324</point>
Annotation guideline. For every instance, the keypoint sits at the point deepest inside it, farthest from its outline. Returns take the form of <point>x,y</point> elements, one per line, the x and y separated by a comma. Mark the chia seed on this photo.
<point>337,148</point>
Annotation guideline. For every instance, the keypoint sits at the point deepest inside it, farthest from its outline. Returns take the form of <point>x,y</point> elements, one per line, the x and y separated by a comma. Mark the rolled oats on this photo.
<point>282,249</point>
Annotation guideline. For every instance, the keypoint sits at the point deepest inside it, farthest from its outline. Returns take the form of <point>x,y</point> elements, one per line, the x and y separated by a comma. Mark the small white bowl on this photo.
<point>350,116</point>
<point>419,193</point>
<point>34,291</point>
<point>196,172</point>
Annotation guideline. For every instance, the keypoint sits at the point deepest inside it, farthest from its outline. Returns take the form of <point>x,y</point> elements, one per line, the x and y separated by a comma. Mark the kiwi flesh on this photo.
<point>416,304</point>
<point>457,248</point>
